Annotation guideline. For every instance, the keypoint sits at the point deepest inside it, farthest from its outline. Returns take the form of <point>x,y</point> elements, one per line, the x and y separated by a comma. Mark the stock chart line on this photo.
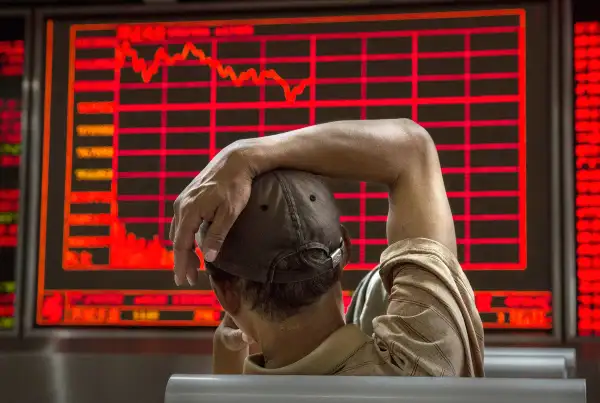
<point>161,57</point>
<point>139,124</point>
<point>184,121</point>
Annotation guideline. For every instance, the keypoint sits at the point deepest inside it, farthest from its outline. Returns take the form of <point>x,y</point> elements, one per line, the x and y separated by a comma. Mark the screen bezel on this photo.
<point>172,10</point>
<point>19,267</point>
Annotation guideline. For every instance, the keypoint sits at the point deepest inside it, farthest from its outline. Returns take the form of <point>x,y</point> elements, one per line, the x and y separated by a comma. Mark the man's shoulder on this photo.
<point>420,292</point>
<point>370,298</point>
<point>365,361</point>
<point>422,252</point>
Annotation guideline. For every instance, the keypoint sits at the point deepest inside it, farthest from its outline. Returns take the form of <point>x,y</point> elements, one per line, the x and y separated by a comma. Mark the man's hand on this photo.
<point>230,348</point>
<point>230,336</point>
<point>215,198</point>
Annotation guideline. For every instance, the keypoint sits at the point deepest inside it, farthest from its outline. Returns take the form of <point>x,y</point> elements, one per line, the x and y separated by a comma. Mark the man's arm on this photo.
<point>396,152</point>
<point>431,327</point>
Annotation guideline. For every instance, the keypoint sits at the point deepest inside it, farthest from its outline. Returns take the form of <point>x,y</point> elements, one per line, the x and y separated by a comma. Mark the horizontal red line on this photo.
<point>475,147</point>
<point>487,217</point>
<point>284,128</point>
<point>486,266</point>
<point>369,218</point>
<point>138,153</point>
<point>350,195</point>
<point>110,63</point>
<point>319,104</point>
<point>440,147</point>
<point>480,170</point>
<point>108,86</point>
<point>460,241</point>
<point>462,194</point>
<point>471,123</point>
<point>107,42</point>
<point>206,129</point>
<point>191,174</point>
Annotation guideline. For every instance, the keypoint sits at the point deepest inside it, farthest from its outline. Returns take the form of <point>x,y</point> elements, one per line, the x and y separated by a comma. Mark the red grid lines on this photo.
<point>168,81</point>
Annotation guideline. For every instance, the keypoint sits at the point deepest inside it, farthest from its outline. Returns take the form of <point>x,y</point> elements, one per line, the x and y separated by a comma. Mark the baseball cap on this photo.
<point>288,232</point>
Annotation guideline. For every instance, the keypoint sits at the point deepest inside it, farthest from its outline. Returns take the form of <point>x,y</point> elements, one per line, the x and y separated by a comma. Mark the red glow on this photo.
<point>95,107</point>
<point>587,164</point>
<point>10,150</point>
<point>12,55</point>
<point>7,304</point>
<point>52,308</point>
<point>151,308</point>
<point>127,251</point>
<point>129,229</point>
<point>130,251</point>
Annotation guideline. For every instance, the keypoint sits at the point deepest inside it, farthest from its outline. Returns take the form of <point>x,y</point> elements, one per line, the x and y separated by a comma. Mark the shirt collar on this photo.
<point>325,359</point>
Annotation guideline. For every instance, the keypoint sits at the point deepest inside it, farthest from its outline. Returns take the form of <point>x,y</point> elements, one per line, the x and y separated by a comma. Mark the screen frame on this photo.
<point>22,237</point>
<point>43,14</point>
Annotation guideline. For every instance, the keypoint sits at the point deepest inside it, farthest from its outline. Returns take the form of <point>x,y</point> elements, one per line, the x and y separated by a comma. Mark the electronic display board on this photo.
<point>135,108</point>
<point>586,128</point>
<point>12,56</point>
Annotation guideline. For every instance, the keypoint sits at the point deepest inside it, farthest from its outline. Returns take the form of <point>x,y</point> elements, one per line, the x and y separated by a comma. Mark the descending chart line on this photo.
<point>148,70</point>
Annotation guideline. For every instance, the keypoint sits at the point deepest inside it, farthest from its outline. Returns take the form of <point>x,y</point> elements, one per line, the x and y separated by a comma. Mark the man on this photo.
<point>274,251</point>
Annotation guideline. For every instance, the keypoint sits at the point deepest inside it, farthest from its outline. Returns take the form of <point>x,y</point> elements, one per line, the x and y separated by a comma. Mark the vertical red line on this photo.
<point>163,148</point>
<point>313,78</point>
<point>363,185</point>
<point>415,76</point>
<point>263,67</point>
<point>69,143</point>
<point>213,104</point>
<point>467,156</point>
<point>522,144</point>
<point>114,206</point>
<point>47,89</point>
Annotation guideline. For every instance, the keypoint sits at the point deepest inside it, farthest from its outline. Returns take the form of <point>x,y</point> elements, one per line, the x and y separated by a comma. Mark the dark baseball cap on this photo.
<point>289,231</point>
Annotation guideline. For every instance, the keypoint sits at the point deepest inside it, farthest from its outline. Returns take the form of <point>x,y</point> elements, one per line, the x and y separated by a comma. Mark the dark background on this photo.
<point>10,88</point>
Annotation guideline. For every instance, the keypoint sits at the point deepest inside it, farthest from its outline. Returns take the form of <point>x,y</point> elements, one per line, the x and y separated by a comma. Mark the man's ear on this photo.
<point>347,245</point>
<point>228,295</point>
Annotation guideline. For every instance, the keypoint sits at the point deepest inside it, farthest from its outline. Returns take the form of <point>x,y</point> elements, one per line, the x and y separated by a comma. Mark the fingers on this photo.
<point>173,227</point>
<point>186,268</point>
<point>192,269</point>
<point>216,233</point>
<point>233,339</point>
<point>183,228</point>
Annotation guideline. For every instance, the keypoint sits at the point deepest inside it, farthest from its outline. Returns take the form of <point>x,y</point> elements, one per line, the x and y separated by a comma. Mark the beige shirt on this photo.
<point>431,326</point>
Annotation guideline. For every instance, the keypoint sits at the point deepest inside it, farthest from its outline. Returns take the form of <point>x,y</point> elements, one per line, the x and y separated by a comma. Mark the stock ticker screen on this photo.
<point>586,68</point>
<point>135,109</point>
<point>12,32</point>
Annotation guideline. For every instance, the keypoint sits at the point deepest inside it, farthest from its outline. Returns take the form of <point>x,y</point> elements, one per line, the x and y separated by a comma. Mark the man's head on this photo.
<point>284,254</point>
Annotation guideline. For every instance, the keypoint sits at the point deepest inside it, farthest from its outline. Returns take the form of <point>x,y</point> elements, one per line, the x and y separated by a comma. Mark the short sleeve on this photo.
<point>431,327</point>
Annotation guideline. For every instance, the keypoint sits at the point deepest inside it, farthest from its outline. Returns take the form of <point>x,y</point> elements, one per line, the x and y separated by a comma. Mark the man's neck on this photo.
<point>284,343</point>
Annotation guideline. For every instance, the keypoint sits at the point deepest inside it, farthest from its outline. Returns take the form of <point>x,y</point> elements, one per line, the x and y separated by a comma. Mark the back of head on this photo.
<point>286,248</point>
